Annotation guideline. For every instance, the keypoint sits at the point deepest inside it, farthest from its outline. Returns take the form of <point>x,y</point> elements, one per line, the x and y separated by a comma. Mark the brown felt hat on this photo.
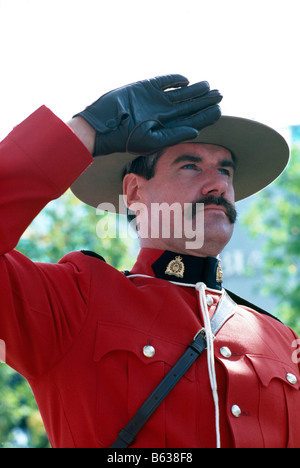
<point>261,155</point>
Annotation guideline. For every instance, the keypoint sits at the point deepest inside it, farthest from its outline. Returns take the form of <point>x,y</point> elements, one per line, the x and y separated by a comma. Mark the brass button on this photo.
<point>291,378</point>
<point>226,353</point>
<point>209,300</point>
<point>236,411</point>
<point>148,351</point>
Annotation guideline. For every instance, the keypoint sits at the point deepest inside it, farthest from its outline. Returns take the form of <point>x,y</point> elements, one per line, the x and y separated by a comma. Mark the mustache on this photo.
<point>230,210</point>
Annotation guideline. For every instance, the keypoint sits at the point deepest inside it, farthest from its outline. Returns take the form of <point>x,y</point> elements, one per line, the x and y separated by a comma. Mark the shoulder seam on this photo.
<point>240,301</point>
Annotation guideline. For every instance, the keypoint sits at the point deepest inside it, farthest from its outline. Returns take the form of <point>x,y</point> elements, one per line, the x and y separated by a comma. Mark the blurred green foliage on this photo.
<point>65,225</point>
<point>275,217</point>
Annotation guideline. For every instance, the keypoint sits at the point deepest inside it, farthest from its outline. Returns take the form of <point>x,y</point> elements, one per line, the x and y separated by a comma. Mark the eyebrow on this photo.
<point>226,163</point>
<point>190,158</point>
<point>187,158</point>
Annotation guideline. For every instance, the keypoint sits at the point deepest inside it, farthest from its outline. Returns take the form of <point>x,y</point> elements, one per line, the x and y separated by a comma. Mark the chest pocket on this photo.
<point>263,401</point>
<point>130,364</point>
<point>279,399</point>
<point>268,369</point>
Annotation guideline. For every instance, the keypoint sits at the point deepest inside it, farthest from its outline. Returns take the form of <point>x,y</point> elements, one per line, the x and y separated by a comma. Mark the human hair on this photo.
<point>143,166</point>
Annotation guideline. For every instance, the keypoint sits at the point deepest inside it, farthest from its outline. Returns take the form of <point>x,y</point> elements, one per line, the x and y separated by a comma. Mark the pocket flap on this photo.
<point>112,337</point>
<point>267,369</point>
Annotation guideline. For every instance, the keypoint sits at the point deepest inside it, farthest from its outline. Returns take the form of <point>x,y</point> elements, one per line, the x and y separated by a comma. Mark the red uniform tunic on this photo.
<point>77,329</point>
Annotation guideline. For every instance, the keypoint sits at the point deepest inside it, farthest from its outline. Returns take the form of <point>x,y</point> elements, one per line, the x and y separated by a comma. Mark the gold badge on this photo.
<point>219,274</point>
<point>175,267</point>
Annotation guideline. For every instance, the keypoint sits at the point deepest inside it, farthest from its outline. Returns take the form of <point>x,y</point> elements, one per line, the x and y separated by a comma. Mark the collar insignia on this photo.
<point>176,268</point>
<point>189,269</point>
<point>219,274</point>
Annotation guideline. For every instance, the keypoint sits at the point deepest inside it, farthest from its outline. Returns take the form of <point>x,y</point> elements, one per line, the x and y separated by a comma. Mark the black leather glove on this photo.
<point>143,117</point>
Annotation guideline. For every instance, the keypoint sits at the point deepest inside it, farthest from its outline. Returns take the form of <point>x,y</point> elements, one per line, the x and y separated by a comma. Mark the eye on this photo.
<point>224,171</point>
<point>190,166</point>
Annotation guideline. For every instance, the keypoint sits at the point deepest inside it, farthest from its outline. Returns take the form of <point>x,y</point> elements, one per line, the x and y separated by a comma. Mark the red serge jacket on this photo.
<point>77,329</point>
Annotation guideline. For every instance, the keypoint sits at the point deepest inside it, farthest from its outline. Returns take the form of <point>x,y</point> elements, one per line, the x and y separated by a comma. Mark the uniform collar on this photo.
<point>171,266</point>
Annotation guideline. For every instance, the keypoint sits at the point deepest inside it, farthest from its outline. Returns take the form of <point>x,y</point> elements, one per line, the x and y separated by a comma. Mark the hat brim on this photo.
<point>261,155</point>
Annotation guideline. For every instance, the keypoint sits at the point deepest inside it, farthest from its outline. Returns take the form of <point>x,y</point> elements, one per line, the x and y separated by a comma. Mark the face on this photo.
<point>187,174</point>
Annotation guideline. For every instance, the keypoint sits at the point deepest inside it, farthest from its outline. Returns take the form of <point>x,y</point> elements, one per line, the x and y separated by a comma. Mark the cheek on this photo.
<point>162,193</point>
<point>230,194</point>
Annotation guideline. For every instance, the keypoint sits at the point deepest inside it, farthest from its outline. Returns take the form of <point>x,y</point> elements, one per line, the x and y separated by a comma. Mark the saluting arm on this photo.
<point>42,307</point>
<point>39,160</point>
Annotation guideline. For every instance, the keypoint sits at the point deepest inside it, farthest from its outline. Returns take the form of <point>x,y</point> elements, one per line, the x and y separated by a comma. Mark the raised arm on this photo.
<point>42,306</point>
<point>39,160</point>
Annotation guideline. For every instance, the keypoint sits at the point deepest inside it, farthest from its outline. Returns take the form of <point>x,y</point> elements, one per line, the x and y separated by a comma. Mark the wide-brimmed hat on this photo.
<point>261,155</point>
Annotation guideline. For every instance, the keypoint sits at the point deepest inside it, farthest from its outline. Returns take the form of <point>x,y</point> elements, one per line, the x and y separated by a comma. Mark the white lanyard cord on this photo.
<point>201,289</point>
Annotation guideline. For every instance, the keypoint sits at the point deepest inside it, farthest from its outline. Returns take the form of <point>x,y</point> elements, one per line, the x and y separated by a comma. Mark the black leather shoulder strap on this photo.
<point>126,437</point>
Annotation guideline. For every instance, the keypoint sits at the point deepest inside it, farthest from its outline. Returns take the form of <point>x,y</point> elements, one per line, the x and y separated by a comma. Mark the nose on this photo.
<point>214,184</point>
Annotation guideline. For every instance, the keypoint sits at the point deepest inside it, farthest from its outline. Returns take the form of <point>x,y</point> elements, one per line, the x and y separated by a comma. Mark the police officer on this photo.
<point>93,342</point>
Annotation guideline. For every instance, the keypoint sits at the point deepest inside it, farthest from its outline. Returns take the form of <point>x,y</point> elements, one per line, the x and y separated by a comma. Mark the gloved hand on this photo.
<point>143,117</point>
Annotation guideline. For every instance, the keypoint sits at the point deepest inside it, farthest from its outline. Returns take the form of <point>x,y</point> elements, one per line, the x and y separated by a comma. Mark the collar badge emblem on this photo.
<point>175,267</point>
<point>219,274</point>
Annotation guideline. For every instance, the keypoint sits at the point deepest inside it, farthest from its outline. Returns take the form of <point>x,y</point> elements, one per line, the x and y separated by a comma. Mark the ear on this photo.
<point>131,189</point>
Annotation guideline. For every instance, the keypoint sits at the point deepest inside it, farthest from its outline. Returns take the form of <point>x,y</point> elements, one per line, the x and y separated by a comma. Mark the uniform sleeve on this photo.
<point>42,306</point>
<point>39,160</point>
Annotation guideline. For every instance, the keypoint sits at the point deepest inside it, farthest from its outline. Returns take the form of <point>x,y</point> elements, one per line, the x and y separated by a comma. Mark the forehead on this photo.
<point>203,150</point>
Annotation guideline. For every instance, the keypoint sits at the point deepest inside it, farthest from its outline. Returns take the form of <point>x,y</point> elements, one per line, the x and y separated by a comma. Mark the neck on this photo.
<point>160,244</point>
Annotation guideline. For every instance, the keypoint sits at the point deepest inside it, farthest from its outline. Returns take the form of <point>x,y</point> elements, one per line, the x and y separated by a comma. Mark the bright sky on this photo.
<point>66,53</point>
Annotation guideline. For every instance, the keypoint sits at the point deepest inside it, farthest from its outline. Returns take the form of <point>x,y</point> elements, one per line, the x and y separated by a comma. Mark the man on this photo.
<point>93,342</point>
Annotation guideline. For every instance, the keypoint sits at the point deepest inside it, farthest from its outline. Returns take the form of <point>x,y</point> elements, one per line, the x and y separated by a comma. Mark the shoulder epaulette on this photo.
<point>92,254</point>
<point>240,301</point>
